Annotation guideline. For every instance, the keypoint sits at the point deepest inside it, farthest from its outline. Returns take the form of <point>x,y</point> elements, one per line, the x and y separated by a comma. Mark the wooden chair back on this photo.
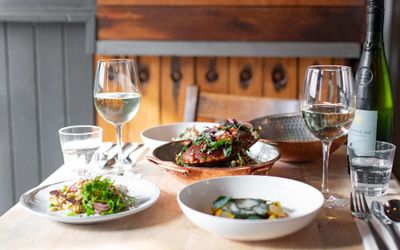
<point>217,107</point>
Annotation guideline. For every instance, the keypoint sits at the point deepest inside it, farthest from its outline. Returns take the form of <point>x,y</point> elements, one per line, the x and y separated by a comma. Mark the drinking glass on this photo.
<point>80,145</point>
<point>370,169</point>
<point>117,96</point>
<point>328,106</point>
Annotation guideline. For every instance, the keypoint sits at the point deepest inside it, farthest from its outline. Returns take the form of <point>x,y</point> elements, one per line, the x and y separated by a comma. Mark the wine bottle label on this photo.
<point>363,128</point>
<point>364,76</point>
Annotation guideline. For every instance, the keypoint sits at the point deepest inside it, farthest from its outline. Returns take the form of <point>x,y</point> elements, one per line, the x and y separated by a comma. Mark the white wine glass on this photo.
<point>117,96</point>
<point>328,106</point>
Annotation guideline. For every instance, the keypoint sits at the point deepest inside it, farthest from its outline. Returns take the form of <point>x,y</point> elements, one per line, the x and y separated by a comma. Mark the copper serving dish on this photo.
<point>291,135</point>
<point>164,157</point>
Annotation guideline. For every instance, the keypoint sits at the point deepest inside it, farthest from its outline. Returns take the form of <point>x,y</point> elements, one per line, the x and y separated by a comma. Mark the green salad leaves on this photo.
<point>103,197</point>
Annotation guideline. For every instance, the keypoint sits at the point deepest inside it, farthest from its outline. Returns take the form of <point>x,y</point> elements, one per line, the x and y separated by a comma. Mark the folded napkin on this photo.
<point>367,238</point>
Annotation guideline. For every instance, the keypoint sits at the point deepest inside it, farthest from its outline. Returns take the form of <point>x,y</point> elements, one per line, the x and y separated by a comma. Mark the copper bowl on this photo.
<point>291,135</point>
<point>262,152</point>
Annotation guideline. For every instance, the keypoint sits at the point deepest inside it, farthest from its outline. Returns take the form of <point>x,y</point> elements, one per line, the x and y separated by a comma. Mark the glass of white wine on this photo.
<point>328,106</point>
<point>117,96</point>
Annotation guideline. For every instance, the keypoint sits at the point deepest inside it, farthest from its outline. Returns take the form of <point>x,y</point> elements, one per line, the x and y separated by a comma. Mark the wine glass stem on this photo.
<point>326,145</point>
<point>120,166</point>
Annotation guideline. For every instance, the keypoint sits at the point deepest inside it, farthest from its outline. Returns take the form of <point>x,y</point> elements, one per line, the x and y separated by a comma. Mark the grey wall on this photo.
<point>45,84</point>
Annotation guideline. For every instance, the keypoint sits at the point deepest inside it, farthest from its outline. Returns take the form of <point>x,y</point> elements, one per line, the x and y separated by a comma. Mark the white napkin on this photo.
<point>367,238</point>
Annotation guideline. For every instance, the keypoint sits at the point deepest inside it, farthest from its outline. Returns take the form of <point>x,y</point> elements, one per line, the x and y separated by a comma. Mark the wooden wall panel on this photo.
<point>339,61</point>
<point>280,78</point>
<point>164,99</point>
<point>23,95</point>
<point>51,102</point>
<point>245,76</point>
<point>149,112</point>
<point>245,23</point>
<point>304,63</point>
<point>233,2</point>
<point>212,74</point>
<point>80,104</point>
<point>176,75</point>
<point>45,84</point>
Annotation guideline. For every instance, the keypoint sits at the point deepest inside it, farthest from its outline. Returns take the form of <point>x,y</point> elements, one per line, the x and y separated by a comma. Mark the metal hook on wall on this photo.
<point>143,71</point>
<point>279,77</point>
<point>212,74</point>
<point>245,76</point>
<point>176,77</point>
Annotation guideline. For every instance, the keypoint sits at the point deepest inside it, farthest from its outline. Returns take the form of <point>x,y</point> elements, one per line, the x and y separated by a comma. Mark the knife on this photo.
<point>378,212</point>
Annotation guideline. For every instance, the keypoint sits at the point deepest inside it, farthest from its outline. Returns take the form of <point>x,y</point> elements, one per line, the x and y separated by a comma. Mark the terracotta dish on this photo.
<point>291,135</point>
<point>263,153</point>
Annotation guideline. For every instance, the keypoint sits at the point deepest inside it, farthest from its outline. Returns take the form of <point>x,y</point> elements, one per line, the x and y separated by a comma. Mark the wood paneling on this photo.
<point>280,77</point>
<point>217,107</point>
<point>7,185</point>
<point>229,23</point>
<point>339,61</point>
<point>50,80</point>
<point>232,2</point>
<point>164,98</point>
<point>212,74</point>
<point>176,74</point>
<point>78,66</point>
<point>21,56</point>
<point>303,64</point>
<point>45,84</point>
<point>245,76</point>
<point>150,109</point>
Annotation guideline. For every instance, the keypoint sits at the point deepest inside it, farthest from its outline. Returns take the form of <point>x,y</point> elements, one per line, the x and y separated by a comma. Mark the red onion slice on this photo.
<point>100,207</point>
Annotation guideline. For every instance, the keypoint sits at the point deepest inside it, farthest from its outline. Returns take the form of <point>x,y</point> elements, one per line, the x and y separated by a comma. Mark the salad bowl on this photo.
<point>300,201</point>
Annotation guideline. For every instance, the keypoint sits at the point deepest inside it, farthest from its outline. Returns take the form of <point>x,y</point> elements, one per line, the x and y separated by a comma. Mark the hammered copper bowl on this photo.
<point>291,135</point>
<point>263,153</point>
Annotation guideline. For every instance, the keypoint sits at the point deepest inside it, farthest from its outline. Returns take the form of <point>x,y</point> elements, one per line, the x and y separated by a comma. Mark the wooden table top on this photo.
<point>163,226</point>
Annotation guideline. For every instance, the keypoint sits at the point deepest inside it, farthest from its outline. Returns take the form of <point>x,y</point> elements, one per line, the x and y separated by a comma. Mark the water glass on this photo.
<point>370,169</point>
<point>80,145</point>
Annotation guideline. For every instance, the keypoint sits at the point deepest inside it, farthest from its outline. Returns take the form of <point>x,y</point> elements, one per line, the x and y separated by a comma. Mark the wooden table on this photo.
<point>163,226</point>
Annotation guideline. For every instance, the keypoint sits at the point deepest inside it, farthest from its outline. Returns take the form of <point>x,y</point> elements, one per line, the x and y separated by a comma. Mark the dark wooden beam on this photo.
<point>182,23</point>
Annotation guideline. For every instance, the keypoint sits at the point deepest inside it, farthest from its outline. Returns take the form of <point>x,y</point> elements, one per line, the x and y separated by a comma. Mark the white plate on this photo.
<point>37,201</point>
<point>159,135</point>
<point>301,201</point>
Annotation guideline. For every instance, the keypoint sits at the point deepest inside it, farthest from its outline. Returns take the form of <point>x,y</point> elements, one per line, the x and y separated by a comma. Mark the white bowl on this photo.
<point>159,135</point>
<point>302,202</point>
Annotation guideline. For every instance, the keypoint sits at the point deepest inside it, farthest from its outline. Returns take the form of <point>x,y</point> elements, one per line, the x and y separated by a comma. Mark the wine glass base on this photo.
<point>335,201</point>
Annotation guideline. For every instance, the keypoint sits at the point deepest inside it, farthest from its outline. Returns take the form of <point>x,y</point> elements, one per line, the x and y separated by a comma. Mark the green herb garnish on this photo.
<point>102,193</point>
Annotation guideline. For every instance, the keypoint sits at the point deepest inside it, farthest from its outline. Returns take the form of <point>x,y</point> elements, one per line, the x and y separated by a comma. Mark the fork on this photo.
<point>359,209</point>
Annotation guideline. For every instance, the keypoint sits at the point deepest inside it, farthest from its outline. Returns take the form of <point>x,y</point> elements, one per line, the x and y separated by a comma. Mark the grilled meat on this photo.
<point>218,144</point>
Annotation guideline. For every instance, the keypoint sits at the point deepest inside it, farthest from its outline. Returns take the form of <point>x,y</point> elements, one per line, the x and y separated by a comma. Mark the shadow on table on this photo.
<point>333,228</point>
<point>152,216</point>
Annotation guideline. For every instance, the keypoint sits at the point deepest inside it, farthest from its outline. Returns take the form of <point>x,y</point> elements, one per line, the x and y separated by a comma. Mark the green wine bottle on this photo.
<point>374,105</point>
